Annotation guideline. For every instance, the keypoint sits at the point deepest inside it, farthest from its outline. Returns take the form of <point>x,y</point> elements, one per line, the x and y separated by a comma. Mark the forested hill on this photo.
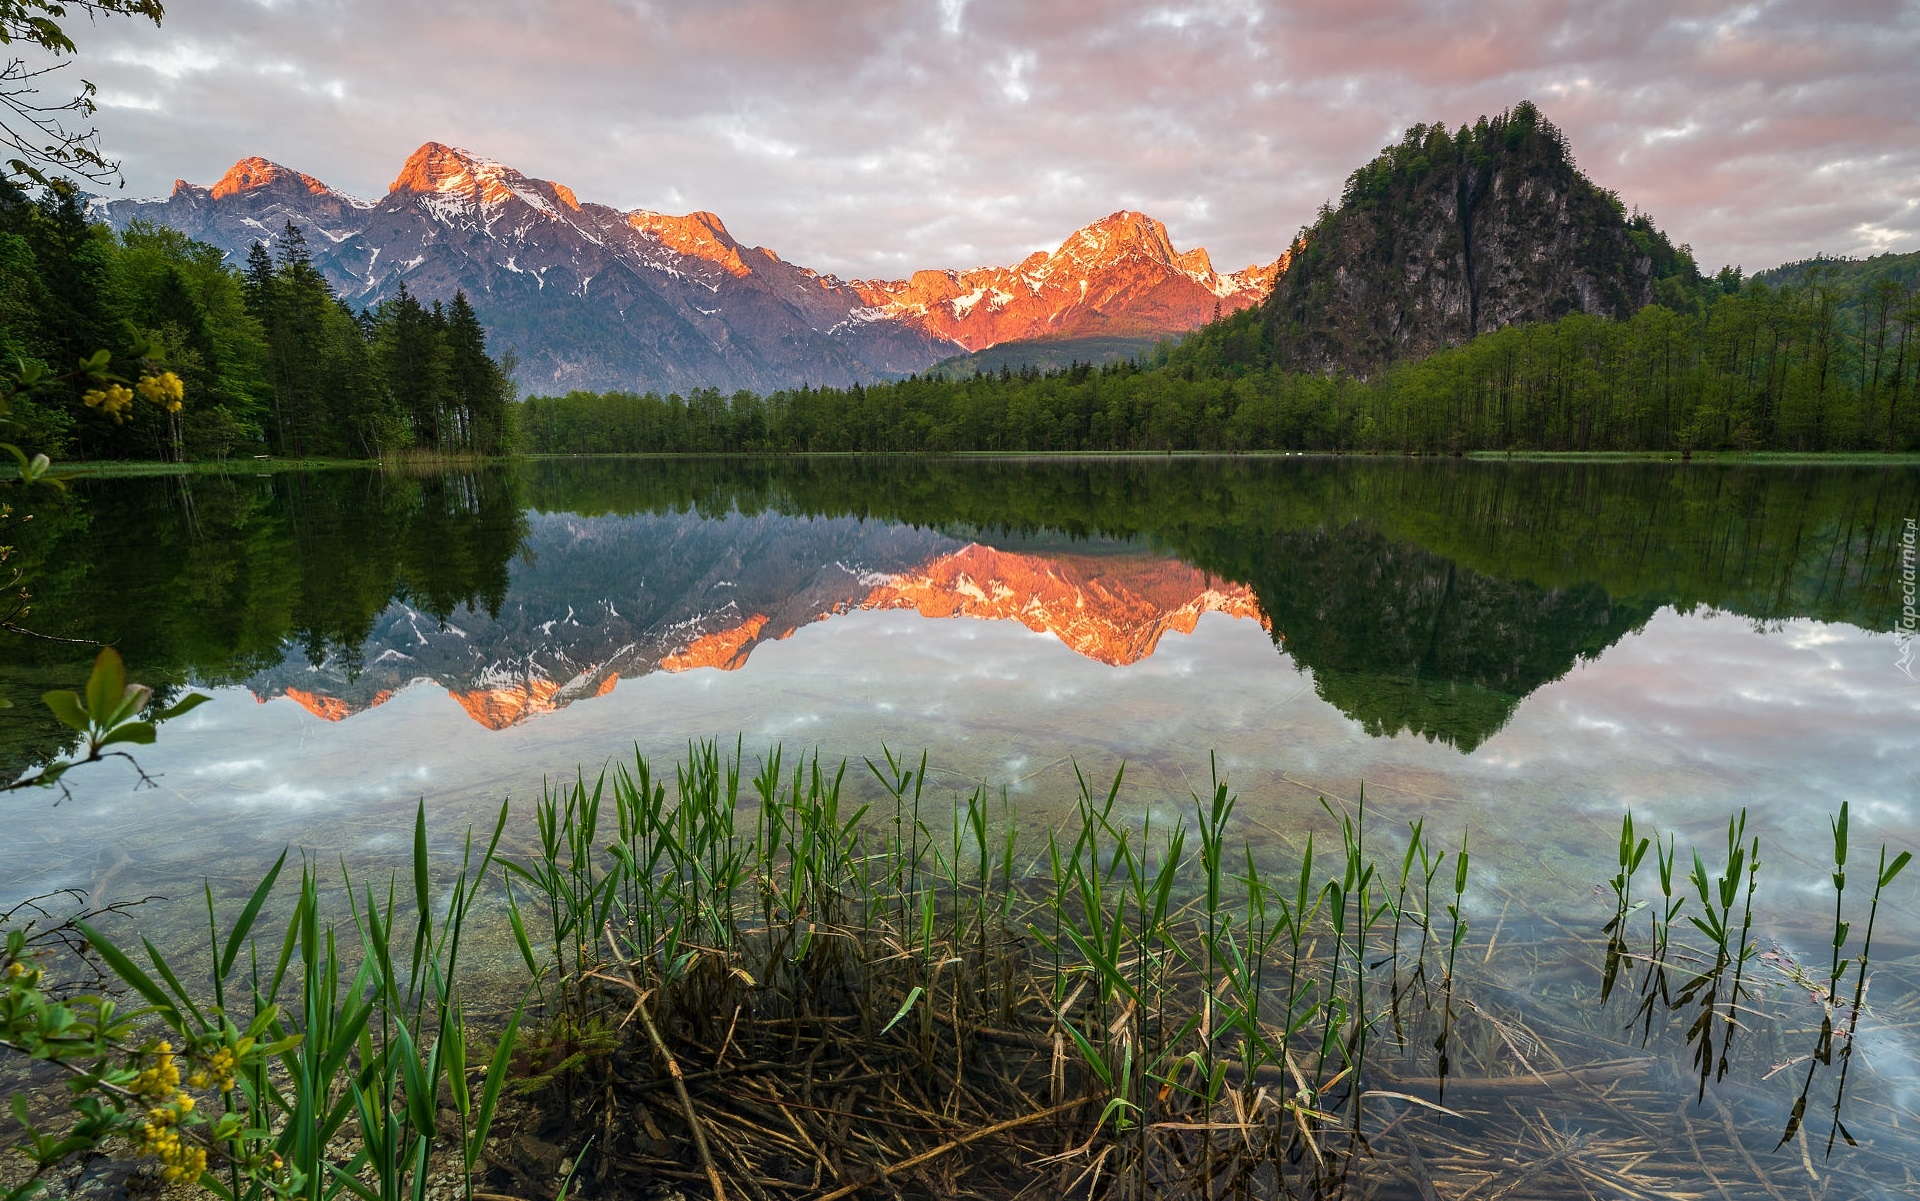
<point>1452,234</point>
<point>1852,279</point>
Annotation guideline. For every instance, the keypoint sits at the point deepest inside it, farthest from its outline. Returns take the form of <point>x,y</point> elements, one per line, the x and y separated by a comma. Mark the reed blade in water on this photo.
<point>1631,853</point>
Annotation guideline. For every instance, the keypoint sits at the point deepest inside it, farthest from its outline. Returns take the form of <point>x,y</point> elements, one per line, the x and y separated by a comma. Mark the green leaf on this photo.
<point>905,1006</point>
<point>1893,869</point>
<point>420,1091</point>
<point>496,1079</point>
<point>67,707</point>
<point>453,1041</point>
<point>581,1157</point>
<point>421,880</point>
<point>1094,1061</point>
<point>141,732</point>
<point>352,1183</point>
<point>247,916</point>
<point>130,973</point>
<point>166,973</point>
<point>133,698</point>
<point>186,704</point>
<point>107,683</point>
<point>520,934</point>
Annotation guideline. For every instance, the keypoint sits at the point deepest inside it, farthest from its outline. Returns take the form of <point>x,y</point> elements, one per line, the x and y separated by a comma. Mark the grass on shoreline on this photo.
<point>263,466</point>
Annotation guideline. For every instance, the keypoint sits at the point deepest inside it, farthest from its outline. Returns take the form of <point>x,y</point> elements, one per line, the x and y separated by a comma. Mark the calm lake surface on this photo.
<point>1514,652</point>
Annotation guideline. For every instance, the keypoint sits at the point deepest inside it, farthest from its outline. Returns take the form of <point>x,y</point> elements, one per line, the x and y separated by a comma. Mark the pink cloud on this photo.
<point>871,137</point>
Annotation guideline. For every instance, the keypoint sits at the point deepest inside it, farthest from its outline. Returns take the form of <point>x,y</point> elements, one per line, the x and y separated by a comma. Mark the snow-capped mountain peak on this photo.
<point>251,174</point>
<point>1119,275</point>
<point>589,296</point>
<point>467,182</point>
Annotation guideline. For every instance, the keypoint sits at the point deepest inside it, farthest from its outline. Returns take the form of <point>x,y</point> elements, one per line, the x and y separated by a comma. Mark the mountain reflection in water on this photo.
<point>694,594</point>
<point>1422,597</point>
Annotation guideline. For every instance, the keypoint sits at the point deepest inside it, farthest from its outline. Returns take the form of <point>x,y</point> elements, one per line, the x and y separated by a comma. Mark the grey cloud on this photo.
<point>873,137</point>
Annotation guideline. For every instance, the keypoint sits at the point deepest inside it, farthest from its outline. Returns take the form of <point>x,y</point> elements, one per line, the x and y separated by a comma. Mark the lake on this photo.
<point>1516,653</point>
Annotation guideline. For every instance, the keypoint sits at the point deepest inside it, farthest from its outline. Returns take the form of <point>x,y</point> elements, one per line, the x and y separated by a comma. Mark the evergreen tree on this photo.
<point>73,259</point>
<point>410,356</point>
<point>476,385</point>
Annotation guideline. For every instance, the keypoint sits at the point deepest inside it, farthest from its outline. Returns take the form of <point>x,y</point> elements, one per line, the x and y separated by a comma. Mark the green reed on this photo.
<point>1884,875</point>
<point>1631,852</point>
<point>1717,896</point>
<point>1184,982</point>
<point>1822,1056</point>
<point>568,874</point>
<point>372,1036</point>
<point>1653,985</point>
<point>1717,985</point>
<point>1417,847</point>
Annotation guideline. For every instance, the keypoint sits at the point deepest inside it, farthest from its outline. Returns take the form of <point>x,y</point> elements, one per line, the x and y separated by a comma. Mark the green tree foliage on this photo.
<point>196,310</point>
<point>1810,369</point>
<point>1848,275</point>
<point>364,385</point>
<point>71,288</point>
<point>270,361</point>
<point>1763,370</point>
<point>319,372</point>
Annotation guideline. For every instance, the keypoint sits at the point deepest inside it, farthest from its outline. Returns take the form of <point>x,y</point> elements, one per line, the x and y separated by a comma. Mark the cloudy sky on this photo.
<point>871,137</point>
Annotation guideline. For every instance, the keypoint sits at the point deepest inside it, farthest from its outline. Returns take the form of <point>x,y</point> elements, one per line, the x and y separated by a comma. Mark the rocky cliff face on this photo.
<point>588,296</point>
<point>1449,235</point>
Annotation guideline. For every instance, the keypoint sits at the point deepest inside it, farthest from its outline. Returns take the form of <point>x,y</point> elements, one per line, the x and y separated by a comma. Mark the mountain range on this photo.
<point>592,297</point>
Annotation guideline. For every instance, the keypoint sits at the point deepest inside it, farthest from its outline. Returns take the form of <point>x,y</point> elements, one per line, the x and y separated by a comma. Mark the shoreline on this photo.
<point>268,466</point>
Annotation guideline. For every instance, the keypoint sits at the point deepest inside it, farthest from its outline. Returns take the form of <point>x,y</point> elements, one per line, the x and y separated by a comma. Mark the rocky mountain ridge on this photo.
<point>1119,277</point>
<point>589,296</point>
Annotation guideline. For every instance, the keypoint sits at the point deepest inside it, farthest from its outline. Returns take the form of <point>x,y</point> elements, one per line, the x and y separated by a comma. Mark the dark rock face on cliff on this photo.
<point>1449,235</point>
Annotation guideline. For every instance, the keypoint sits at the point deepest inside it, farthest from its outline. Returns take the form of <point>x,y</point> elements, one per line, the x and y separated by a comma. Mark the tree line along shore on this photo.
<point>273,364</point>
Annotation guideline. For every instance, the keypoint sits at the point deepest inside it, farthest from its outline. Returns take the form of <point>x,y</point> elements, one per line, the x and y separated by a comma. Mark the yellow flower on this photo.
<point>114,400</point>
<point>220,1068</point>
<point>158,1135</point>
<point>164,390</point>
<point>162,1080</point>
